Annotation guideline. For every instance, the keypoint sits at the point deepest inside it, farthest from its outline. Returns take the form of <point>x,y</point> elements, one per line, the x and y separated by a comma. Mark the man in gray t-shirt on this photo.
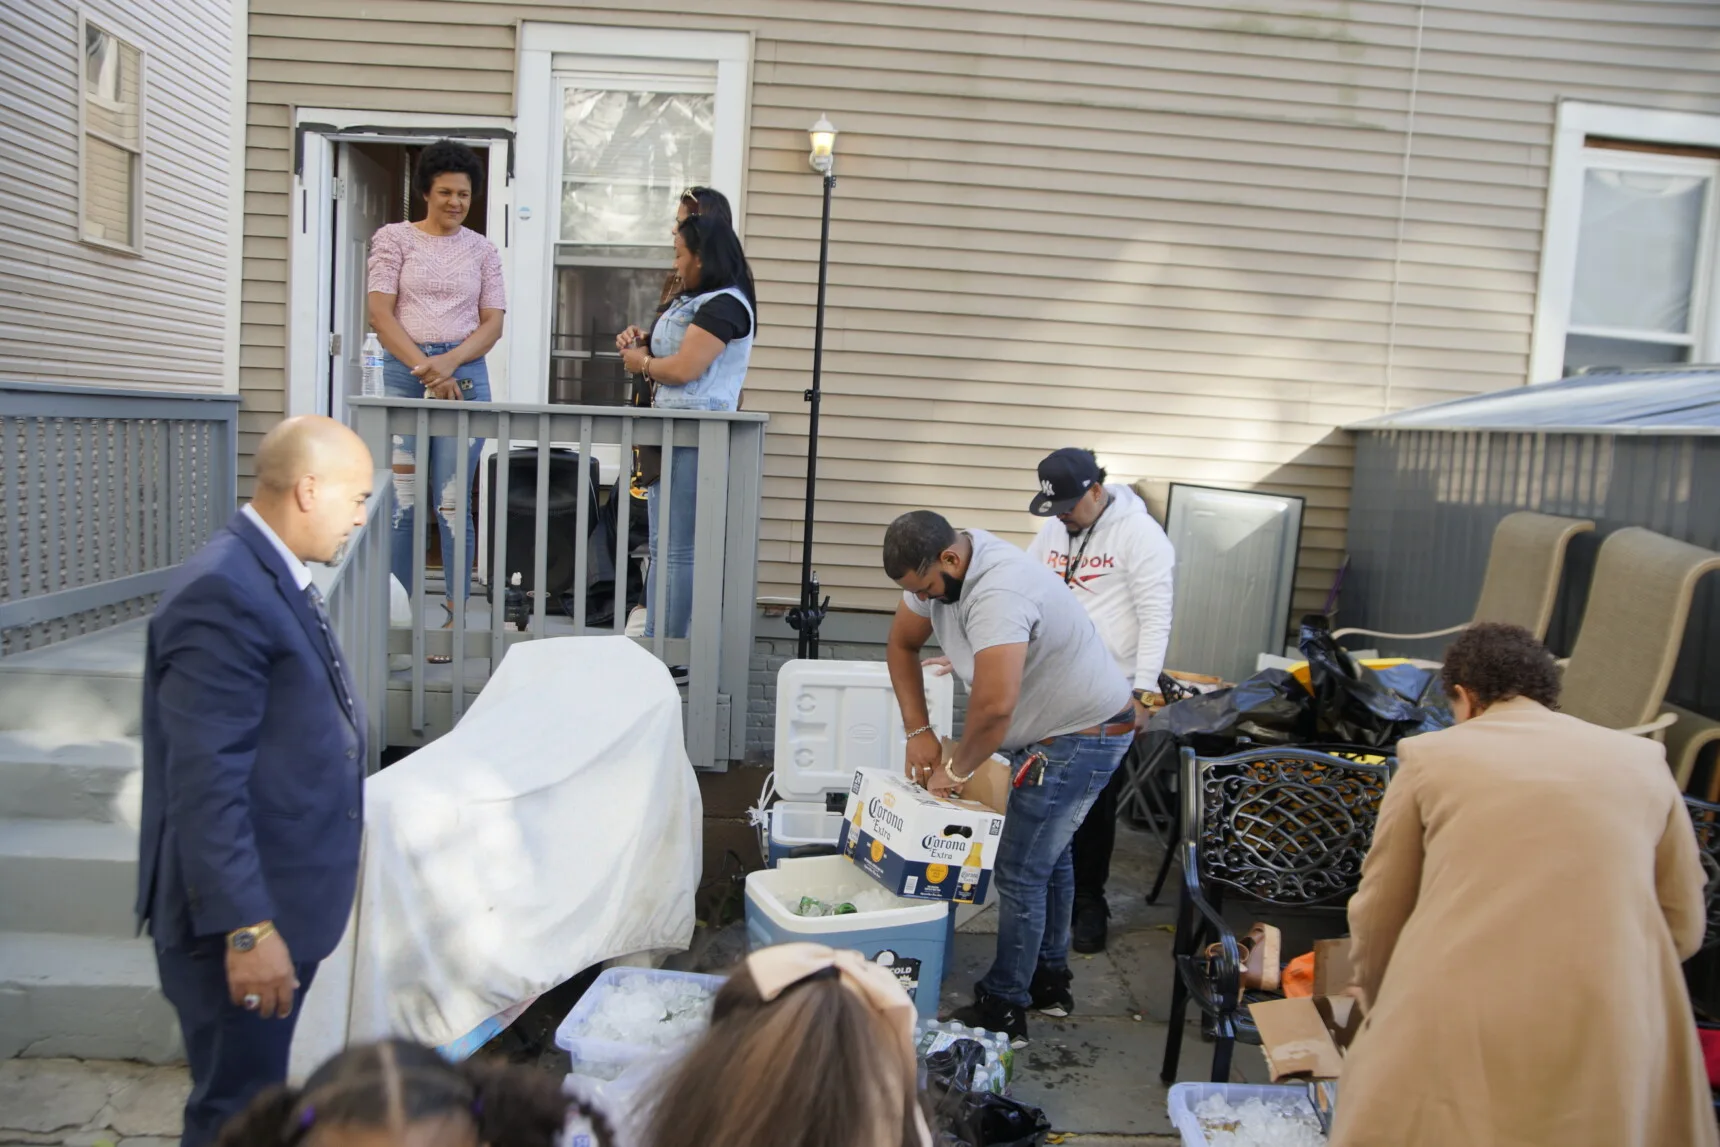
<point>1042,688</point>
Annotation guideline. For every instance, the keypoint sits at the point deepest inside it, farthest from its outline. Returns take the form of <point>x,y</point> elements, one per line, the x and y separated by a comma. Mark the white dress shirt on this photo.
<point>301,572</point>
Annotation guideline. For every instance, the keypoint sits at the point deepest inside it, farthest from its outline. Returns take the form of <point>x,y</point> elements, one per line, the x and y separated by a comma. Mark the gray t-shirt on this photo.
<point>1070,682</point>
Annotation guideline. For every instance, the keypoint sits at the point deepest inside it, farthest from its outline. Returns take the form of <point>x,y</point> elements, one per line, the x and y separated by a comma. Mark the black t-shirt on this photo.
<point>725,317</point>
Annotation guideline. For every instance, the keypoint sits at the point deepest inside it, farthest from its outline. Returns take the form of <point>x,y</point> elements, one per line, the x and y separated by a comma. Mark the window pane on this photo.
<point>626,157</point>
<point>592,305</point>
<point>1590,350</point>
<point>109,175</point>
<point>1636,252</point>
<point>112,81</point>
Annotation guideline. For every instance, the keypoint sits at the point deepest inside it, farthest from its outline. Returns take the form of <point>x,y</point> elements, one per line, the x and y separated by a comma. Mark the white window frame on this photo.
<point>138,153</point>
<point>537,168</point>
<point>1571,160</point>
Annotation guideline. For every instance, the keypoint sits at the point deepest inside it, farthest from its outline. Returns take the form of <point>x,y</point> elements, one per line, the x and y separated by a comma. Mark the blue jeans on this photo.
<point>399,382</point>
<point>675,557</point>
<point>1035,873</point>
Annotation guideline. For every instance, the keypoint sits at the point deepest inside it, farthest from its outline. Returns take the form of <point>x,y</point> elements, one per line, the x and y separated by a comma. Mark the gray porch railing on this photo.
<point>423,700</point>
<point>356,589</point>
<point>102,493</point>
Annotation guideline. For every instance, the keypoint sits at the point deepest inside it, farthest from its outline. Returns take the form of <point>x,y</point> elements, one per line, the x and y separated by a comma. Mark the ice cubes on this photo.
<point>642,1011</point>
<point>1254,1123</point>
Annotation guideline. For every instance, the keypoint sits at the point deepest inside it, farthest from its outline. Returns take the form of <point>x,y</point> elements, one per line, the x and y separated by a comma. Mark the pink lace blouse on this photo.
<point>441,281</point>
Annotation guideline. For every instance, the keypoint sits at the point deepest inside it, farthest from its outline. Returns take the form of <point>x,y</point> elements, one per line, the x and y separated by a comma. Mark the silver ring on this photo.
<point>252,1002</point>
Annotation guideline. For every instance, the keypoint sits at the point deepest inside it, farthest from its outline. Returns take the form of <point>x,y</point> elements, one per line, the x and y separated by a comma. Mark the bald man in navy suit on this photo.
<point>253,770</point>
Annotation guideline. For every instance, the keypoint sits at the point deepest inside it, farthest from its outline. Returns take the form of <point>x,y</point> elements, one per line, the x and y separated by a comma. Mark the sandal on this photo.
<point>444,658</point>
<point>1261,948</point>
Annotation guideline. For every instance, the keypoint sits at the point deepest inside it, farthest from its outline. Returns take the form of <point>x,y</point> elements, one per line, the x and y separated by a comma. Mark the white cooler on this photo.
<point>833,717</point>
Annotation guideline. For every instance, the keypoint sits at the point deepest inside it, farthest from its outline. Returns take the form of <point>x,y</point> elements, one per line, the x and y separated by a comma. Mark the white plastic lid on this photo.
<point>833,717</point>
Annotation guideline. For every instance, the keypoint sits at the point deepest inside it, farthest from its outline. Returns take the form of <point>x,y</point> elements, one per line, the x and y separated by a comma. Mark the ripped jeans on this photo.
<point>400,382</point>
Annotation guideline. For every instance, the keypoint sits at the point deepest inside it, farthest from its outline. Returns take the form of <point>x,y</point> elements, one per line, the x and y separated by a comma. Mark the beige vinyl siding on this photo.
<point>1196,237</point>
<point>78,314</point>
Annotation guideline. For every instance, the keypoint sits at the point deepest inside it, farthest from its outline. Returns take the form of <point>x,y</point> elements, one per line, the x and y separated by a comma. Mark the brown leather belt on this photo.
<point>1123,722</point>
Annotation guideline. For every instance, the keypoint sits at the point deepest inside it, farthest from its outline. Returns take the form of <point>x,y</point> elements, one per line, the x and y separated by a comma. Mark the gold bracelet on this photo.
<point>952,772</point>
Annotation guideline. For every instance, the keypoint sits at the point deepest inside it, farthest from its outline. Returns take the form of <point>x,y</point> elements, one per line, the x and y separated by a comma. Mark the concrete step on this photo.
<point>83,997</point>
<point>68,877</point>
<point>88,688</point>
<point>47,776</point>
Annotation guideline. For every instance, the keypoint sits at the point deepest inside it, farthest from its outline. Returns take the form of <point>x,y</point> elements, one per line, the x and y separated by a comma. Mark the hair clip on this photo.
<point>307,1117</point>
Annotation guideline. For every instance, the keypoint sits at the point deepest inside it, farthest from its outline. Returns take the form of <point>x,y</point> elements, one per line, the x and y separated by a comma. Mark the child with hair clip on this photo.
<point>399,1094</point>
<point>808,1047</point>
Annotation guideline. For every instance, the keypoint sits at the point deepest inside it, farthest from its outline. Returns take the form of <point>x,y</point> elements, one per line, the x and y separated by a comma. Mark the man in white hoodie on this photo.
<point>1118,562</point>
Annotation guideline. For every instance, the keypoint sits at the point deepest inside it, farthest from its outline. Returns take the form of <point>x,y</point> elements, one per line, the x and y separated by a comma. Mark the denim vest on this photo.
<point>719,388</point>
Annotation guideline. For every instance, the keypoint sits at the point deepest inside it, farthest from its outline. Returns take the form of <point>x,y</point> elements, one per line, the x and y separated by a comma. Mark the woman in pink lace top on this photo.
<point>437,303</point>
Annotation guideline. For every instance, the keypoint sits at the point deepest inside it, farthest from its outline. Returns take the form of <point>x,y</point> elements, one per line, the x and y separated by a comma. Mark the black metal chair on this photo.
<point>1285,827</point>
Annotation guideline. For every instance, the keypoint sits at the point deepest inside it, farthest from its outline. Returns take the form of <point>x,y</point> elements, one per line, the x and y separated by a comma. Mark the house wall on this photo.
<point>74,313</point>
<point>1196,237</point>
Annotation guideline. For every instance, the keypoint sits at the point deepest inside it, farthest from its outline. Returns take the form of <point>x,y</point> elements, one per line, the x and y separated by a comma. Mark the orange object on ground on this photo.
<point>1298,977</point>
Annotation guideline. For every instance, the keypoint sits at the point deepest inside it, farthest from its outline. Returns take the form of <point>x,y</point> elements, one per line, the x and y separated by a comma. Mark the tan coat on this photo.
<point>1533,886</point>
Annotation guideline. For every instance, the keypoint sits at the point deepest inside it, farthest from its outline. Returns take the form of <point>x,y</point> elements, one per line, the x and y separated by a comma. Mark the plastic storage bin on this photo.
<point>1185,1097</point>
<point>801,824</point>
<point>911,939</point>
<point>602,1059</point>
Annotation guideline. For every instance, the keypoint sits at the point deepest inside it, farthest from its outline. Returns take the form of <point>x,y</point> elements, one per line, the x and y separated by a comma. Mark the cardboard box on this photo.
<point>917,845</point>
<point>1332,969</point>
<point>1306,1038</point>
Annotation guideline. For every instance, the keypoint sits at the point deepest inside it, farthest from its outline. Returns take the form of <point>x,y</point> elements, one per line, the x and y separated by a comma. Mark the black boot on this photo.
<point>989,1013</point>
<point>1051,994</point>
<point>1088,926</point>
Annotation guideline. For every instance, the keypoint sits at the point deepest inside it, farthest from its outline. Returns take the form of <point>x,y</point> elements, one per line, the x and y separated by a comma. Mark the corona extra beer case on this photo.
<point>915,844</point>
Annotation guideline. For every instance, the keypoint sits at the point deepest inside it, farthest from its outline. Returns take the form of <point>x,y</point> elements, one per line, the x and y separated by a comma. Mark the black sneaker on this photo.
<point>991,1014</point>
<point>1051,994</point>
<point>678,674</point>
<point>1088,926</point>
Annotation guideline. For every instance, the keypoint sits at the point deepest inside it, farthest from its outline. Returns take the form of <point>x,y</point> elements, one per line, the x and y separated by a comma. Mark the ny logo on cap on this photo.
<point>1046,488</point>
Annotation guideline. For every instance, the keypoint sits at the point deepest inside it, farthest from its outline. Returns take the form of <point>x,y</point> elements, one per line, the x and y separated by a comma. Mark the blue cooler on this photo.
<point>912,939</point>
<point>833,717</point>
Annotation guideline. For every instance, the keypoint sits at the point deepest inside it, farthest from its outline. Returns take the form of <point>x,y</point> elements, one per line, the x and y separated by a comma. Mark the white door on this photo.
<point>359,210</point>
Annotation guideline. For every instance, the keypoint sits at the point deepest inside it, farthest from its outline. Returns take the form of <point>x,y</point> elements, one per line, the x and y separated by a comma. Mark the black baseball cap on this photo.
<point>1064,479</point>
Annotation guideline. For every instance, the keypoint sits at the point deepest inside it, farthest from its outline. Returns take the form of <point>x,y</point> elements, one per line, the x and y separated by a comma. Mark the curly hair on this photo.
<point>395,1083</point>
<point>1497,662</point>
<point>445,157</point>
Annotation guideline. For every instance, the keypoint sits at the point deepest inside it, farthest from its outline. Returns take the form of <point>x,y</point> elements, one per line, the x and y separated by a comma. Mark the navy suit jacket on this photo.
<point>253,756</point>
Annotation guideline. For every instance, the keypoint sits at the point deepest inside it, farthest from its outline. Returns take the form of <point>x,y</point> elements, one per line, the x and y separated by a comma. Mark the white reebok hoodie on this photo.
<point>1124,581</point>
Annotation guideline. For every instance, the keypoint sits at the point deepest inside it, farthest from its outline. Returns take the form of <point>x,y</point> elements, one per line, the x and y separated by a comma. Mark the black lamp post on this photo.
<point>805,617</point>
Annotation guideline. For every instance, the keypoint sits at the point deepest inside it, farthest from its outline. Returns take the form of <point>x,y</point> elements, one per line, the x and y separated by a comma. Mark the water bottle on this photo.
<point>372,366</point>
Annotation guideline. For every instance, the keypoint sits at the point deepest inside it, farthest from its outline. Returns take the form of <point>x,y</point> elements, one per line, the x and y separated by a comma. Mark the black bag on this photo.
<point>1376,708</point>
<point>1270,708</point>
<point>963,1117</point>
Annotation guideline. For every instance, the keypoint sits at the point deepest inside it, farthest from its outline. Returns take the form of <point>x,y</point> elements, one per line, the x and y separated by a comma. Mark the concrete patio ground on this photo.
<point>1096,1074</point>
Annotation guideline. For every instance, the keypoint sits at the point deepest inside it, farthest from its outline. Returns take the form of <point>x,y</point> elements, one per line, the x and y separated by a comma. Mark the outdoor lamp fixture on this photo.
<point>805,617</point>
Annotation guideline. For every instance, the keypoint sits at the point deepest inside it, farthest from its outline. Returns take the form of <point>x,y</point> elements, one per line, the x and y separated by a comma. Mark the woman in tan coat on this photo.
<point>1533,886</point>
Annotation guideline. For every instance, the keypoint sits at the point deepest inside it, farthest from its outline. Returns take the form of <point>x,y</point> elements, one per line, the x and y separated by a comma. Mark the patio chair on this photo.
<point>1522,580</point>
<point>1686,740</point>
<point>1705,816</point>
<point>1284,827</point>
<point>1633,626</point>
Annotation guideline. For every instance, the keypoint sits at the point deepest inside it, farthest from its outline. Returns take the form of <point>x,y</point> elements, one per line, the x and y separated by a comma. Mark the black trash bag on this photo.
<point>1373,708</point>
<point>963,1118</point>
<point>954,1066</point>
<point>1270,708</point>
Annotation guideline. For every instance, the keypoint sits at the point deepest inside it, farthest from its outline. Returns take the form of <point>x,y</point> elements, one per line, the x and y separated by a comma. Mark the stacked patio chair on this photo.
<point>1285,827</point>
<point>1521,584</point>
<point>1632,629</point>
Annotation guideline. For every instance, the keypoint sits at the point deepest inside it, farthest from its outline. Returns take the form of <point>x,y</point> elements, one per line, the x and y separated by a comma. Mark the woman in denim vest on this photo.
<point>697,360</point>
<point>436,303</point>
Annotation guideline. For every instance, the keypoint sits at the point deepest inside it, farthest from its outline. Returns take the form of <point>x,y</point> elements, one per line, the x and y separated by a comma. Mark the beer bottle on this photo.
<point>969,879</point>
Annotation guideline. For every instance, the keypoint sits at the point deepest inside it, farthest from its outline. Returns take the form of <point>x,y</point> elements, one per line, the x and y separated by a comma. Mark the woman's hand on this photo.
<point>633,359</point>
<point>438,366</point>
<point>631,337</point>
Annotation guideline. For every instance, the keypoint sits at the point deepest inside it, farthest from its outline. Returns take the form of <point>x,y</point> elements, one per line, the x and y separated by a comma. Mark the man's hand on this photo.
<point>941,784</point>
<point>266,972</point>
<point>925,753</point>
<point>1143,713</point>
<point>940,666</point>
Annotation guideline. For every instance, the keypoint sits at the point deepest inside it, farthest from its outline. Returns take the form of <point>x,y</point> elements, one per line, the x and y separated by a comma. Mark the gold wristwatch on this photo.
<point>1150,699</point>
<point>246,939</point>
